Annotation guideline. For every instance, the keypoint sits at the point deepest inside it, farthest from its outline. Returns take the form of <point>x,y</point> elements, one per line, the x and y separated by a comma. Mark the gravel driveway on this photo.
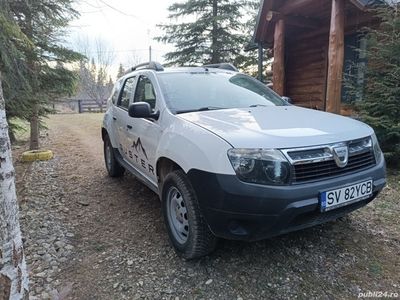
<point>88,236</point>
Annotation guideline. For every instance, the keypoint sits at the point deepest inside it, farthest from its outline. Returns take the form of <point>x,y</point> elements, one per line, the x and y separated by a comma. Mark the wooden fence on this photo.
<point>72,106</point>
<point>91,106</point>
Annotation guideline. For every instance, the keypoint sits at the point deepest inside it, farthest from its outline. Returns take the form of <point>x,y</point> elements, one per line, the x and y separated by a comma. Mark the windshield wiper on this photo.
<point>256,105</point>
<point>200,109</point>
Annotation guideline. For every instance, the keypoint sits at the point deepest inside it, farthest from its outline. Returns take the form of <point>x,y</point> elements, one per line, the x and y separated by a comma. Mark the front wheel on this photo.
<point>113,167</point>
<point>186,226</point>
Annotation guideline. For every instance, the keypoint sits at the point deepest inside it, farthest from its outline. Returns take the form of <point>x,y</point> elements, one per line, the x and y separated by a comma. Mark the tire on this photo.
<point>186,226</point>
<point>113,167</point>
<point>33,155</point>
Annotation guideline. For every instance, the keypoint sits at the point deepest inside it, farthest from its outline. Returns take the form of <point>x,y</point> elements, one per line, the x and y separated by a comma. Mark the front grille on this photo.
<point>328,168</point>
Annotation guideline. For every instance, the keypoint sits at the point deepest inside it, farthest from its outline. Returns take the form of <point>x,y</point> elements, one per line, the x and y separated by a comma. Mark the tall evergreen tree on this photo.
<point>379,102</point>
<point>215,34</point>
<point>13,47</point>
<point>43,23</point>
<point>121,71</point>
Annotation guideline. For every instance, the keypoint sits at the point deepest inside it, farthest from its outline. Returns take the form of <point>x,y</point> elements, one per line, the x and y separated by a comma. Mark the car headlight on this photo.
<point>260,166</point>
<point>377,150</point>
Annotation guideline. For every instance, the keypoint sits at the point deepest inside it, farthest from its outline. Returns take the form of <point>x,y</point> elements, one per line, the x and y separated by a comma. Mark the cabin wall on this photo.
<point>306,70</point>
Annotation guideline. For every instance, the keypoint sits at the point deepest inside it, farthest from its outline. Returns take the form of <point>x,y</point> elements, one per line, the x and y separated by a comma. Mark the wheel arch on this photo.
<point>104,133</point>
<point>164,166</point>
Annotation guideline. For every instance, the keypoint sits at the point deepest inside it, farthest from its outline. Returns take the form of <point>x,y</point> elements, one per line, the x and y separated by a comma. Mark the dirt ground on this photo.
<point>114,244</point>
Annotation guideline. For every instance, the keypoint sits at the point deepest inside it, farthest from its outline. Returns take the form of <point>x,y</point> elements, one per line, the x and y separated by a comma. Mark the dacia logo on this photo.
<point>340,155</point>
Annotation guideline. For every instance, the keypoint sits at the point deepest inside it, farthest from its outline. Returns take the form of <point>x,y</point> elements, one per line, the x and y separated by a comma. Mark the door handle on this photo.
<point>114,118</point>
<point>129,126</point>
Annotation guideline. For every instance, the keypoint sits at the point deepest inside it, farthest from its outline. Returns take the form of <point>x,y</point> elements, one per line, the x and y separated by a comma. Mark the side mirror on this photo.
<point>287,99</point>
<point>142,110</point>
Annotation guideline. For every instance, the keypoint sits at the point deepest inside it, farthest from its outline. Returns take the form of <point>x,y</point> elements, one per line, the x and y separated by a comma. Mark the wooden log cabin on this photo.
<point>314,42</point>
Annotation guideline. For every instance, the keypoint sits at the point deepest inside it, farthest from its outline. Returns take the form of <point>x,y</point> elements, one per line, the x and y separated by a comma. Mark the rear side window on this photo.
<point>115,92</point>
<point>127,93</point>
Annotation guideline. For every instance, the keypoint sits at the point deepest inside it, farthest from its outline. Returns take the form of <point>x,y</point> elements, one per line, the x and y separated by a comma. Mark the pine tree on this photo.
<point>13,66</point>
<point>121,71</point>
<point>42,22</point>
<point>379,105</point>
<point>215,35</point>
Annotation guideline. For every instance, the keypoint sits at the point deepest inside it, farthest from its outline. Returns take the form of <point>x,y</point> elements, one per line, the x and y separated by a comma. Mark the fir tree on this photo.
<point>13,47</point>
<point>379,105</point>
<point>215,34</point>
<point>43,23</point>
<point>121,71</point>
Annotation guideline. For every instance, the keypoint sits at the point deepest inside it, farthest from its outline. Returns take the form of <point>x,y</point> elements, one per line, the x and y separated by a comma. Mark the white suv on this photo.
<point>230,158</point>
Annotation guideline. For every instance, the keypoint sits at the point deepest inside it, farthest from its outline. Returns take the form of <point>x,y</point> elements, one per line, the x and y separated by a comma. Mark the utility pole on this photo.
<point>150,53</point>
<point>149,40</point>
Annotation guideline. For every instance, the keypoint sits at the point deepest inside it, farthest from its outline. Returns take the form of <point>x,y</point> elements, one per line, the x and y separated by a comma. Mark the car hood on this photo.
<point>278,126</point>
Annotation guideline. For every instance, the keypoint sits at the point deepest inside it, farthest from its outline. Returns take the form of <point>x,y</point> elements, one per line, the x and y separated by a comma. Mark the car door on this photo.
<point>145,133</point>
<point>121,117</point>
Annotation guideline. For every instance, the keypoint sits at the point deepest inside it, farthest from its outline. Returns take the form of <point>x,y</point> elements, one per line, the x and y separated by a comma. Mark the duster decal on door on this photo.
<point>139,147</point>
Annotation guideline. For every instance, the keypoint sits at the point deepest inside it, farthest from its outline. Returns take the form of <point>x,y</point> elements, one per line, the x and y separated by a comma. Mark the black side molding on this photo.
<point>132,170</point>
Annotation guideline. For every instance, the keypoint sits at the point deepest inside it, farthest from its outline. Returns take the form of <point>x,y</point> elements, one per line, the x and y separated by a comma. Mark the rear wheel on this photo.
<point>186,226</point>
<point>114,169</point>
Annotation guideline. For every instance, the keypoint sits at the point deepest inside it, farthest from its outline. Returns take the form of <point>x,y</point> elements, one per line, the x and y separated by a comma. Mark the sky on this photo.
<point>125,28</point>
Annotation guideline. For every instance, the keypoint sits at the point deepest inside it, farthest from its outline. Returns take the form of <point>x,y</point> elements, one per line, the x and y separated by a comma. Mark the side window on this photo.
<point>145,92</point>
<point>115,92</point>
<point>115,96</point>
<point>127,93</point>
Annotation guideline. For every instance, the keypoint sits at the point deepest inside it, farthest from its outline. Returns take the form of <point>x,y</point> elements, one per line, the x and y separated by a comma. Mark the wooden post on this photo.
<point>335,57</point>
<point>278,77</point>
<point>260,62</point>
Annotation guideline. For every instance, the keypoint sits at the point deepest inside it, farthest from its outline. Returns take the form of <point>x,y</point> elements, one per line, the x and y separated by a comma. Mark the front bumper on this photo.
<point>237,210</point>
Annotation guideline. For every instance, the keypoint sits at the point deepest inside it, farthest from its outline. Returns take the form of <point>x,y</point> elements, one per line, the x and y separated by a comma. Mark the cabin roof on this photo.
<point>263,28</point>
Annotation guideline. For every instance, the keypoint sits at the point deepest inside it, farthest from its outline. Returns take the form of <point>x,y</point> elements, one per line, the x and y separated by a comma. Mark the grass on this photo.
<point>21,129</point>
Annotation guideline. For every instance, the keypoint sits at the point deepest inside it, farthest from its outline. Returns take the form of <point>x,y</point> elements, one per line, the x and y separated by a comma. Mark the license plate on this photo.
<point>346,195</point>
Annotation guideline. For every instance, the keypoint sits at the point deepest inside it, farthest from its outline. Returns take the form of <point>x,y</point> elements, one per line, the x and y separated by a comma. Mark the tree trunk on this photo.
<point>214,33</point>
<point>13,271</point>
<point>12,136</point>
<point>34,123</point>
<point>34,118</point>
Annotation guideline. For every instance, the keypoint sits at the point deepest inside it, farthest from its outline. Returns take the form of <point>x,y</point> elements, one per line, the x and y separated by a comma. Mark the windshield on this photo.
<point>185,92</point>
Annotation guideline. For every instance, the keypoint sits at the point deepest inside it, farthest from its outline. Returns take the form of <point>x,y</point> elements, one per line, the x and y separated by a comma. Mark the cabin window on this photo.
<point>354,68</point>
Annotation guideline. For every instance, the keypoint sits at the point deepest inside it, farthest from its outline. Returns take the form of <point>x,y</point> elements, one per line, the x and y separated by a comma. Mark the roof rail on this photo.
<point>153,65</point>
<point>225,66</point>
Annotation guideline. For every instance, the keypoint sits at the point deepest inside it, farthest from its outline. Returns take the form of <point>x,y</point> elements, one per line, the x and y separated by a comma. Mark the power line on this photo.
<point>124,50</point>
<point>90,4</point>
<point>104,15</point>
<point>120,11</point>
<point>90,12</point>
